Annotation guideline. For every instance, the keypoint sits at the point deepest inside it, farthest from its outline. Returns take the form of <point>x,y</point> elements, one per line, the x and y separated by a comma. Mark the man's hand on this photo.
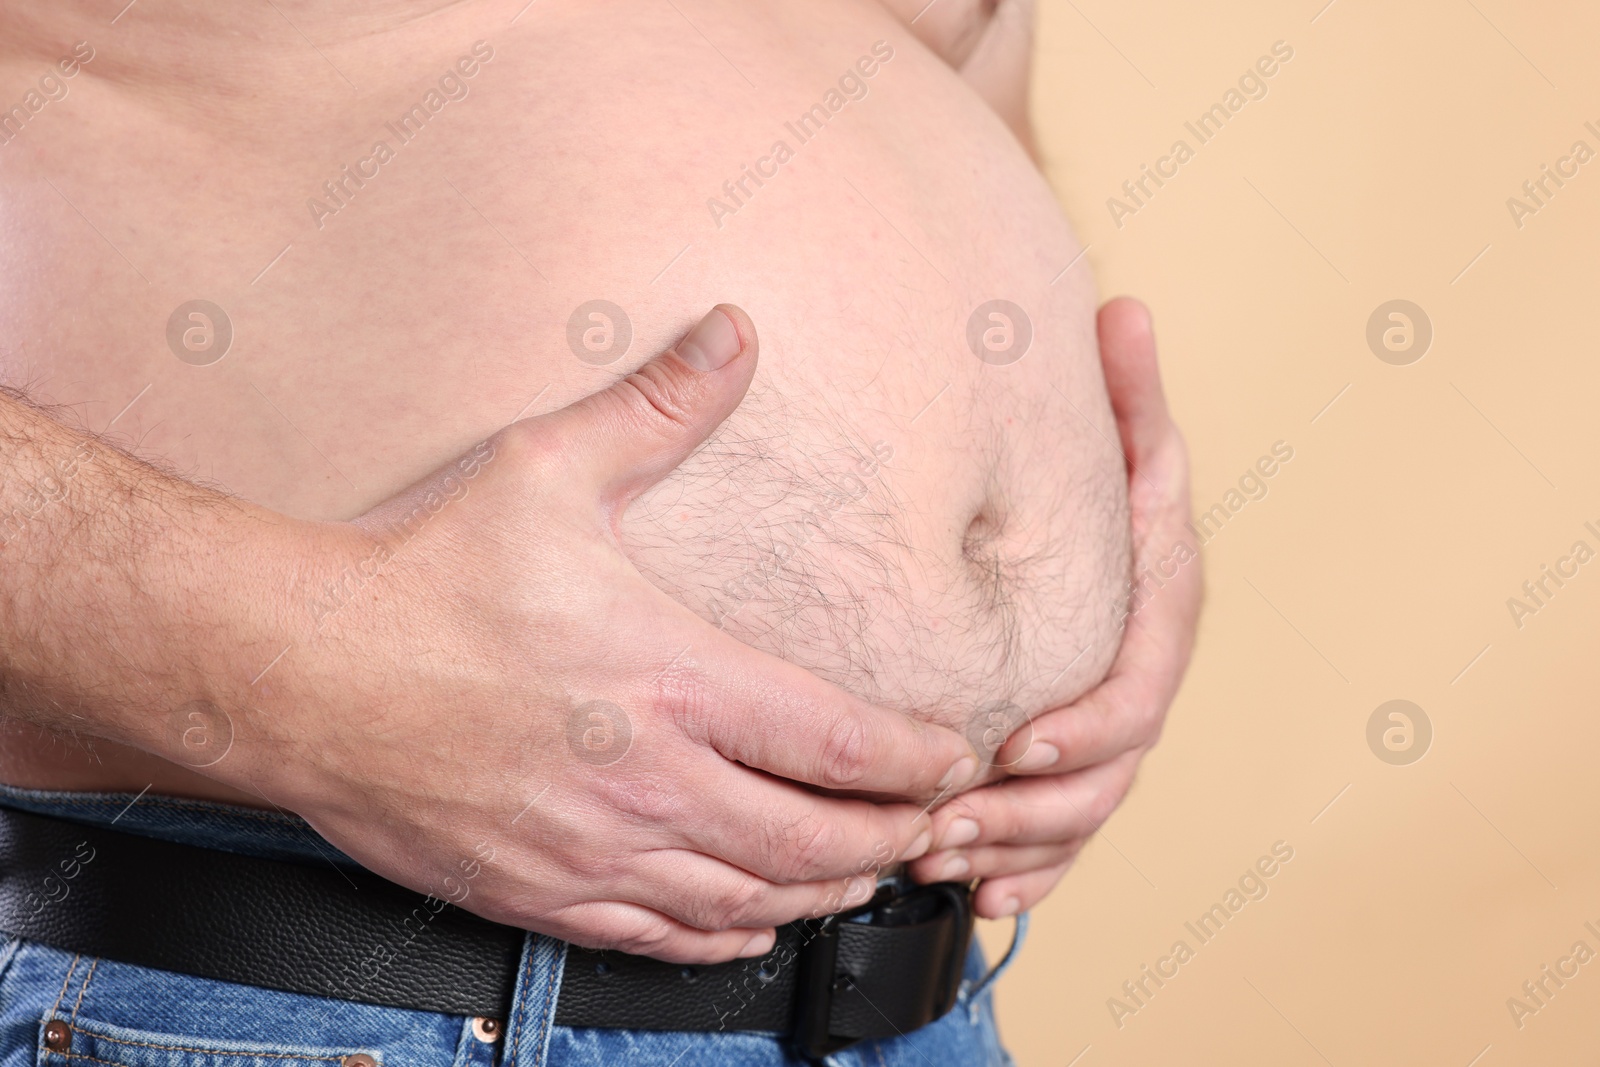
<point>469,689</point>
<point>1076,763</point>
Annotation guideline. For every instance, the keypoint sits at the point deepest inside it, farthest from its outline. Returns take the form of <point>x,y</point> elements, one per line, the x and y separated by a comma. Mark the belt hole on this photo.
<point>688,974</point>
<point>603,969</point>
<point>768,970</point>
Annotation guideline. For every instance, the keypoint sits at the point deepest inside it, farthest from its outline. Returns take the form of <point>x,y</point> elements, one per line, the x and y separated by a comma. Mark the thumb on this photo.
<point>625,438</point>
<point>1133,376</point>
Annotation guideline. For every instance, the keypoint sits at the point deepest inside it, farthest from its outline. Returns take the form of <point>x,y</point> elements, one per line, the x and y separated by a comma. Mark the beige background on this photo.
<point>1380,563</point>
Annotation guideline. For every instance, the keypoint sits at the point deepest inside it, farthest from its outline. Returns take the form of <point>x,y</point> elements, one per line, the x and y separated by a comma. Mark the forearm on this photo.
<point>126,593</point>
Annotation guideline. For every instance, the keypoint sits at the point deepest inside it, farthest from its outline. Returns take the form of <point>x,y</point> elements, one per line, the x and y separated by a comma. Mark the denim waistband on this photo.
<point>281,835</point>
<point>272,835</point>
<point>267,834</point>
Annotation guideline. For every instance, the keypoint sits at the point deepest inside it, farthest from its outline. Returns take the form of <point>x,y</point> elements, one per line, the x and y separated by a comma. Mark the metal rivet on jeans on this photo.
<point>359,1059</point>
<point>485,1029</point>
<point>57,1036</point>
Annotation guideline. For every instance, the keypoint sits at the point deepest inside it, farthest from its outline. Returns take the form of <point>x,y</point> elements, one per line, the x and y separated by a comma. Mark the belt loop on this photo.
<point>533,1005</point>
<point>1018,936</point>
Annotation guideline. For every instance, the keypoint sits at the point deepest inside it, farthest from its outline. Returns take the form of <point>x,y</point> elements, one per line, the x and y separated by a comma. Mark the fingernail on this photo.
<point>959,832</point>
<point>960,773</point>
<point>1010,906</point>
<point>711,344</point>
<point>1038,757</point>
<point>919,847</point>
<point>858,889</point>
<point>955,868</point>
<point>758,945</point>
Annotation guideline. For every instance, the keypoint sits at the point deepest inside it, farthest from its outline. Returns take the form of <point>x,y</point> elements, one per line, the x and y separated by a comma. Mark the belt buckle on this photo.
<point>817,973</point>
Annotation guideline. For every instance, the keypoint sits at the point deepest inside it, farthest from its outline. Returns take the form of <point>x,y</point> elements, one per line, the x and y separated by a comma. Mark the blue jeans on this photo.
<point>126,1016</point>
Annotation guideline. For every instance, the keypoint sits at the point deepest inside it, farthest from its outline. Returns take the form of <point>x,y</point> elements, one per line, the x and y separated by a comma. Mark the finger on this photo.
<point>707,894</point>
<point>1007,895</point>
<point>1127,709</point>
<point>788,835</point>
<point>1133,375</point>
<point>638,931</point>
<point>628,436</point>
<point>758,710</point>
<point>1036,811</point>
<point>992,861</point>
<point>1158,465</point>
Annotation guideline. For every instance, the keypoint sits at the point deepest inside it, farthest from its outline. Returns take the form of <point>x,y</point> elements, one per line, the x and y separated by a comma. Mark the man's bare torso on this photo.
<point>935,531</point>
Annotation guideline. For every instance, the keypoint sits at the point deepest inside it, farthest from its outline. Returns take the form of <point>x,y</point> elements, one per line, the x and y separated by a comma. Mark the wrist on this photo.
<point>260,712</point>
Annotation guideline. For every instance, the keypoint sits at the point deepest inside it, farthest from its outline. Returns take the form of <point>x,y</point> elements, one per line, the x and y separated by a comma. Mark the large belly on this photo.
<point>898,504</point>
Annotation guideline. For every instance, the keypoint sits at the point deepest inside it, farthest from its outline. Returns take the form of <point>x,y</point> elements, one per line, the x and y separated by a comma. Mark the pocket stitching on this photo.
<point>86,980</point>
<point>71,967</point>
<point>98,1036</point>
<point>70,1056</point>
<point>527,976</point>
<point>83,1056</point>
<point>549,1003</point>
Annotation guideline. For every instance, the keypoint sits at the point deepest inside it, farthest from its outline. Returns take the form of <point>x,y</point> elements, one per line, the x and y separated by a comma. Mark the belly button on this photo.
<point>981,532</point>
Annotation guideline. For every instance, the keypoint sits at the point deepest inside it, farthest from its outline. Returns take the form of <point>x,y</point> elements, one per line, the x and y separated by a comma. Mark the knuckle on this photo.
<point>527,447</point>
<point>643,798</point>
<point>683,696</point>
<point>845,756</point>
<point>596,868</point>
<point>797,851</point>
<point>1101,805</point>
<point>732,905</point>
<point>515,438</point>
<point>1075,732</point>
<point>1003,822</point>
<point>1118,722</point>
<point>967,806</point>
<point>642,937</point>
<point>661,394</point>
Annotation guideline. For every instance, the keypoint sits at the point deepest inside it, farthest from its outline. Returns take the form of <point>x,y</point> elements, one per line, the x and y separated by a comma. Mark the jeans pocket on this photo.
<point>62,1044</point>
<point>63,1009</point>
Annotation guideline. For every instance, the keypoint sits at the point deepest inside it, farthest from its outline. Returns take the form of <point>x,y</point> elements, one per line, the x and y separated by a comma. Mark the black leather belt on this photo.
<point>350,935</point>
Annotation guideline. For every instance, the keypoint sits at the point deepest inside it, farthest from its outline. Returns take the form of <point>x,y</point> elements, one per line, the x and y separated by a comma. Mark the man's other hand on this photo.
<point>1076,763</point>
